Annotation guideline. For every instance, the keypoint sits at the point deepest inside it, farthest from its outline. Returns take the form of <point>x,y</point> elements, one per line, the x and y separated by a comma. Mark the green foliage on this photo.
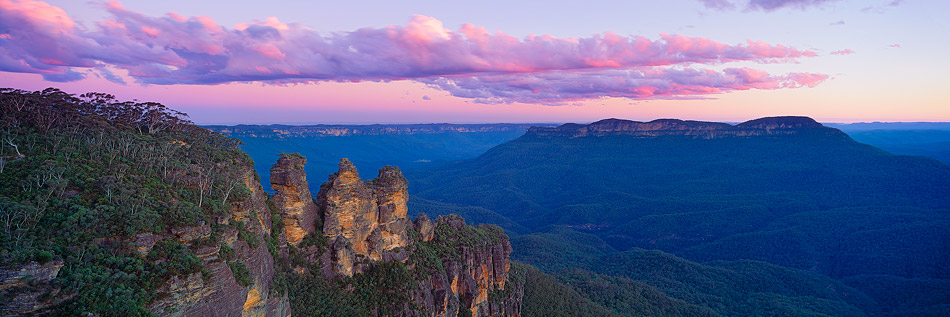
<point>241,275</point>
<point>316,239</point>
<point>226,252</point>
<point>451,233</point>
<point>383,288</point>
<point>277,224</point>
<point>44,256</point>
<point>312,295</point>
<point>913,296</point>
<point>557,249</point>
<point>473,215</point>
<point>426,257</point>
<point>814,200</point>
<point>727,286</point>
<point>628,297</point>
<point>174,258</point>
<point>252,240</point>
<point>80,177</point>
<point>545,296</point>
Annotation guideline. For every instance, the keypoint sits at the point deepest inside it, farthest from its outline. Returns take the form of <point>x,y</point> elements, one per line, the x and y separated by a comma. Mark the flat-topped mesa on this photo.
<point>668,127</point>
<point>788,122</point>
<point>293,199</point>
<point>371,217</point>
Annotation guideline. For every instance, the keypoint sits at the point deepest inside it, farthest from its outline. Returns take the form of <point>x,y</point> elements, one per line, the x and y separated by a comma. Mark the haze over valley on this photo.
<point>489,158</point>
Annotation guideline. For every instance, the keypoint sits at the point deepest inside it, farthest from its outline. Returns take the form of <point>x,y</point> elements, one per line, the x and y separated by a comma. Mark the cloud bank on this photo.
<point>763,5</point>
<point>470,62</point>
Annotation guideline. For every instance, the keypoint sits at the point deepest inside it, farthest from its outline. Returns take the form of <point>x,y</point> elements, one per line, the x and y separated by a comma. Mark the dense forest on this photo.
<point>813,201</point>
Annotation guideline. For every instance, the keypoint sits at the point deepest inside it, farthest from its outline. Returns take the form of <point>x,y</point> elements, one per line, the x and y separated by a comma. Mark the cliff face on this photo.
<point>370,217</point>
<point>475,276</point>
<point>22,288</point>
<point>458,268</point>
<point>213,291</point>
<point>696,129</point>
<point>217,291</point>
<point>293,198</point>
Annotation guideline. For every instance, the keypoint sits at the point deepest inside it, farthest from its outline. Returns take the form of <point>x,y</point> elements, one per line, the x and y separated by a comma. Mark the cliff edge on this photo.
<point>697,129</point>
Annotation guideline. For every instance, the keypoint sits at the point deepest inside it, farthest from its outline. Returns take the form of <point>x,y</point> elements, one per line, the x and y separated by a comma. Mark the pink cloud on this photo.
<point>846,51</point>
<point>174,49</point>
<point>894,45</point>
<point>563,87</point>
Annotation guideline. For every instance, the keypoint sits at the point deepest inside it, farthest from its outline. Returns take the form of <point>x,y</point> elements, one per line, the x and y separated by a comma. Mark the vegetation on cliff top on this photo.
<point>82,176</point>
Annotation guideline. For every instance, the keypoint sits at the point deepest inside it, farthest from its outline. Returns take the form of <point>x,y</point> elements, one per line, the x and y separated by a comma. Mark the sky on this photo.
<point>370,61</point>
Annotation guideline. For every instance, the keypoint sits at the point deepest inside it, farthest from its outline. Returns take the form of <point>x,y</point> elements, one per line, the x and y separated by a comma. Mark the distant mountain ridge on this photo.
<point>699,129</point>
<point>279,130</point>
<point>786,191</point>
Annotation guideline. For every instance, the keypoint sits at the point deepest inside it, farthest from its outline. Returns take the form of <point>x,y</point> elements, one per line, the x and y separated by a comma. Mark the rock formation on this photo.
<point>696,129</point>
<point>32,287</point>
<point>22,288</point>
<point>392,195</point>
<point>472,274</point>
<point>423,225</point>
<point>217,292</point>
<point>293,198</point>
<point>370,217</point>
<point>366,223</point>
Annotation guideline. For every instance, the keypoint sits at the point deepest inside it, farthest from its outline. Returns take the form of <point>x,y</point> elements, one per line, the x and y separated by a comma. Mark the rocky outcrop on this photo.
<point>26,289</point>
<point>424,227</point>
<point>216,291</point>
<point>474,275</point>
<point>457,268</point>
<point>674,127</point>
<point>392,195</point>
<point>293,198</point>
<point>370,217</point>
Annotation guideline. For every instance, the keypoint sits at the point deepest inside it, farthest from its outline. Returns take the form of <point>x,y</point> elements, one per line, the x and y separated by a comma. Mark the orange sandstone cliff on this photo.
<point>365,223</point>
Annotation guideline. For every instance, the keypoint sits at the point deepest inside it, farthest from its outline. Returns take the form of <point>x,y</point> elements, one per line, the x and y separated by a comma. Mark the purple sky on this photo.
<point>490,61</point>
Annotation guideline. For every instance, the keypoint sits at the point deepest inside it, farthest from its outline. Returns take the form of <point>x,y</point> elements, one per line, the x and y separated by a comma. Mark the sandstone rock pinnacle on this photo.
<point>293,199</point>
<point>370,216</point>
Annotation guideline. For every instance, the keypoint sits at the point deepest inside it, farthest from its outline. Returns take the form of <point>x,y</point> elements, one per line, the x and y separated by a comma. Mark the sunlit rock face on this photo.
<point>293,198</point>
<point>370,216</point>
<point>481,269</point>
<point>365,224</point>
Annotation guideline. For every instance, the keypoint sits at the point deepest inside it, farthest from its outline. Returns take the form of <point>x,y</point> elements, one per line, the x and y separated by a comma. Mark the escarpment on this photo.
<point>474,275</point>
<point>451,267</point>
<point>696,129</point>
<point>130,210</point>
<point>237,273</point>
